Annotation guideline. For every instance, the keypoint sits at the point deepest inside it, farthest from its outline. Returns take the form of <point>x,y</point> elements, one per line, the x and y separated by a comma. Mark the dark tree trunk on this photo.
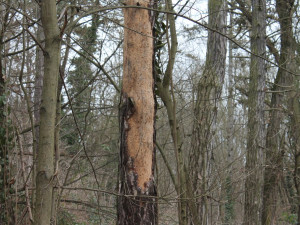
<point>6,209</point>
<point>274,144</point>
<point>256,133</point>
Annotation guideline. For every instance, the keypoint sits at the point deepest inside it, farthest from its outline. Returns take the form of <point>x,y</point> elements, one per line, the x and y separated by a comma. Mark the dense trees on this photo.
<point>132,112</point>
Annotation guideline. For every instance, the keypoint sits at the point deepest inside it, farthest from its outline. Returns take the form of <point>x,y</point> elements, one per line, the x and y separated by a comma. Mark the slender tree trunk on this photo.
<point>55,198</point>
<point>3,152</point>
<point>137,113</point>
<point>166,93</point>
<point>229,205</point>
<point>295,134</point>
<point>208,93</point>
<point>6,209</point>
<point>295,128</point>
<point>165,90</point>
<point>256,133</point>
<point>45,156</point>
<point>38,85</point>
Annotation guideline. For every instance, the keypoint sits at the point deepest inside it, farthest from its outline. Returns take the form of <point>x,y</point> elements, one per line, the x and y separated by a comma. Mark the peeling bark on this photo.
<point>137,112</point>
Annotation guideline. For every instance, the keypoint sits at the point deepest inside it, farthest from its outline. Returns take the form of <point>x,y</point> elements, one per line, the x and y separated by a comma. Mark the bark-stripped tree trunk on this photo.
<point>208,93</point>
<point>255,139</point>
<point>137,113</point>
<point>274,143</point>
<point>45,156</point>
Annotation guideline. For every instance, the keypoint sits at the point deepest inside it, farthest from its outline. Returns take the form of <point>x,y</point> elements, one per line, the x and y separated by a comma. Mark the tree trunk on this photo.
<point>208,92</point>
<point>3,152</point>
<point>6,208</point>
<point>45,157</point>
<point>295,124</point>
<point>165,90</point>
<point>274,148</point>
<point>256,96</point>
<point>137,113</point>
<point>38,85</point>
<point>229,205</point>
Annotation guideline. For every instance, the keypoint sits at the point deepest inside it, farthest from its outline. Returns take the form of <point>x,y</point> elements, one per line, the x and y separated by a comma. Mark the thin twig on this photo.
<point>35,40</point>
<point>24,177</point>
<point>102,9</point>
<point>78,129</point>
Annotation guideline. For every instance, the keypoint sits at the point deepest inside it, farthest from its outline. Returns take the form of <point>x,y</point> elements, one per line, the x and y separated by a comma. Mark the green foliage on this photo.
<point>229,205</point>
<point>3,159</point>
<point>289,218</point>
<point>159,32</point>
<point>5,125</point>
<point>6,129</point>
<point>65,218</point>
<point>78,80</point>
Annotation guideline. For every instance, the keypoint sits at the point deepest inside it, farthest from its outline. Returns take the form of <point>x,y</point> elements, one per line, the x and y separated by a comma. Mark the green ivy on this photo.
<point>229,205</point>
<point>3,159</point>
<point>289,218</point>
<point>65,218</point>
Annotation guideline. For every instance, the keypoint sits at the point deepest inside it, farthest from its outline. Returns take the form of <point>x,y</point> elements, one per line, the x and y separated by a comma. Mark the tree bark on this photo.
<point>3,152</point>
<point>45,157</point>
<point>229,205</point>
<point>274,147</point>
<point>38,85</point>
<point>6,209</point>
<point>256,133</point>
<point>208,93</point>
<point>137,203</point>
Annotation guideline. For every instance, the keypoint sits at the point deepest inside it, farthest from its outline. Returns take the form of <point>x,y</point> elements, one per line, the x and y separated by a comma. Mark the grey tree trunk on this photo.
<point>137,113</point>
<point>45,156</point>
<point>208,93</point>
<point>229,205</point>
<point>256,131</point>
<point>6,209</point>
<point>38,85</point>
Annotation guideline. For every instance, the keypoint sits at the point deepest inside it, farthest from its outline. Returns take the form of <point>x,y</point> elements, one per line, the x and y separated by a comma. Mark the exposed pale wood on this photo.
<point>137,113</point>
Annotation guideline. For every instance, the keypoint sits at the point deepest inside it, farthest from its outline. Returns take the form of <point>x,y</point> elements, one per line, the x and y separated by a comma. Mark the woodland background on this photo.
<point>227,110</point>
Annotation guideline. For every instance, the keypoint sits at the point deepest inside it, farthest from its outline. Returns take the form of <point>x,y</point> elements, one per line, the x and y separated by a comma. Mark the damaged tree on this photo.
<point>137,202</point>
